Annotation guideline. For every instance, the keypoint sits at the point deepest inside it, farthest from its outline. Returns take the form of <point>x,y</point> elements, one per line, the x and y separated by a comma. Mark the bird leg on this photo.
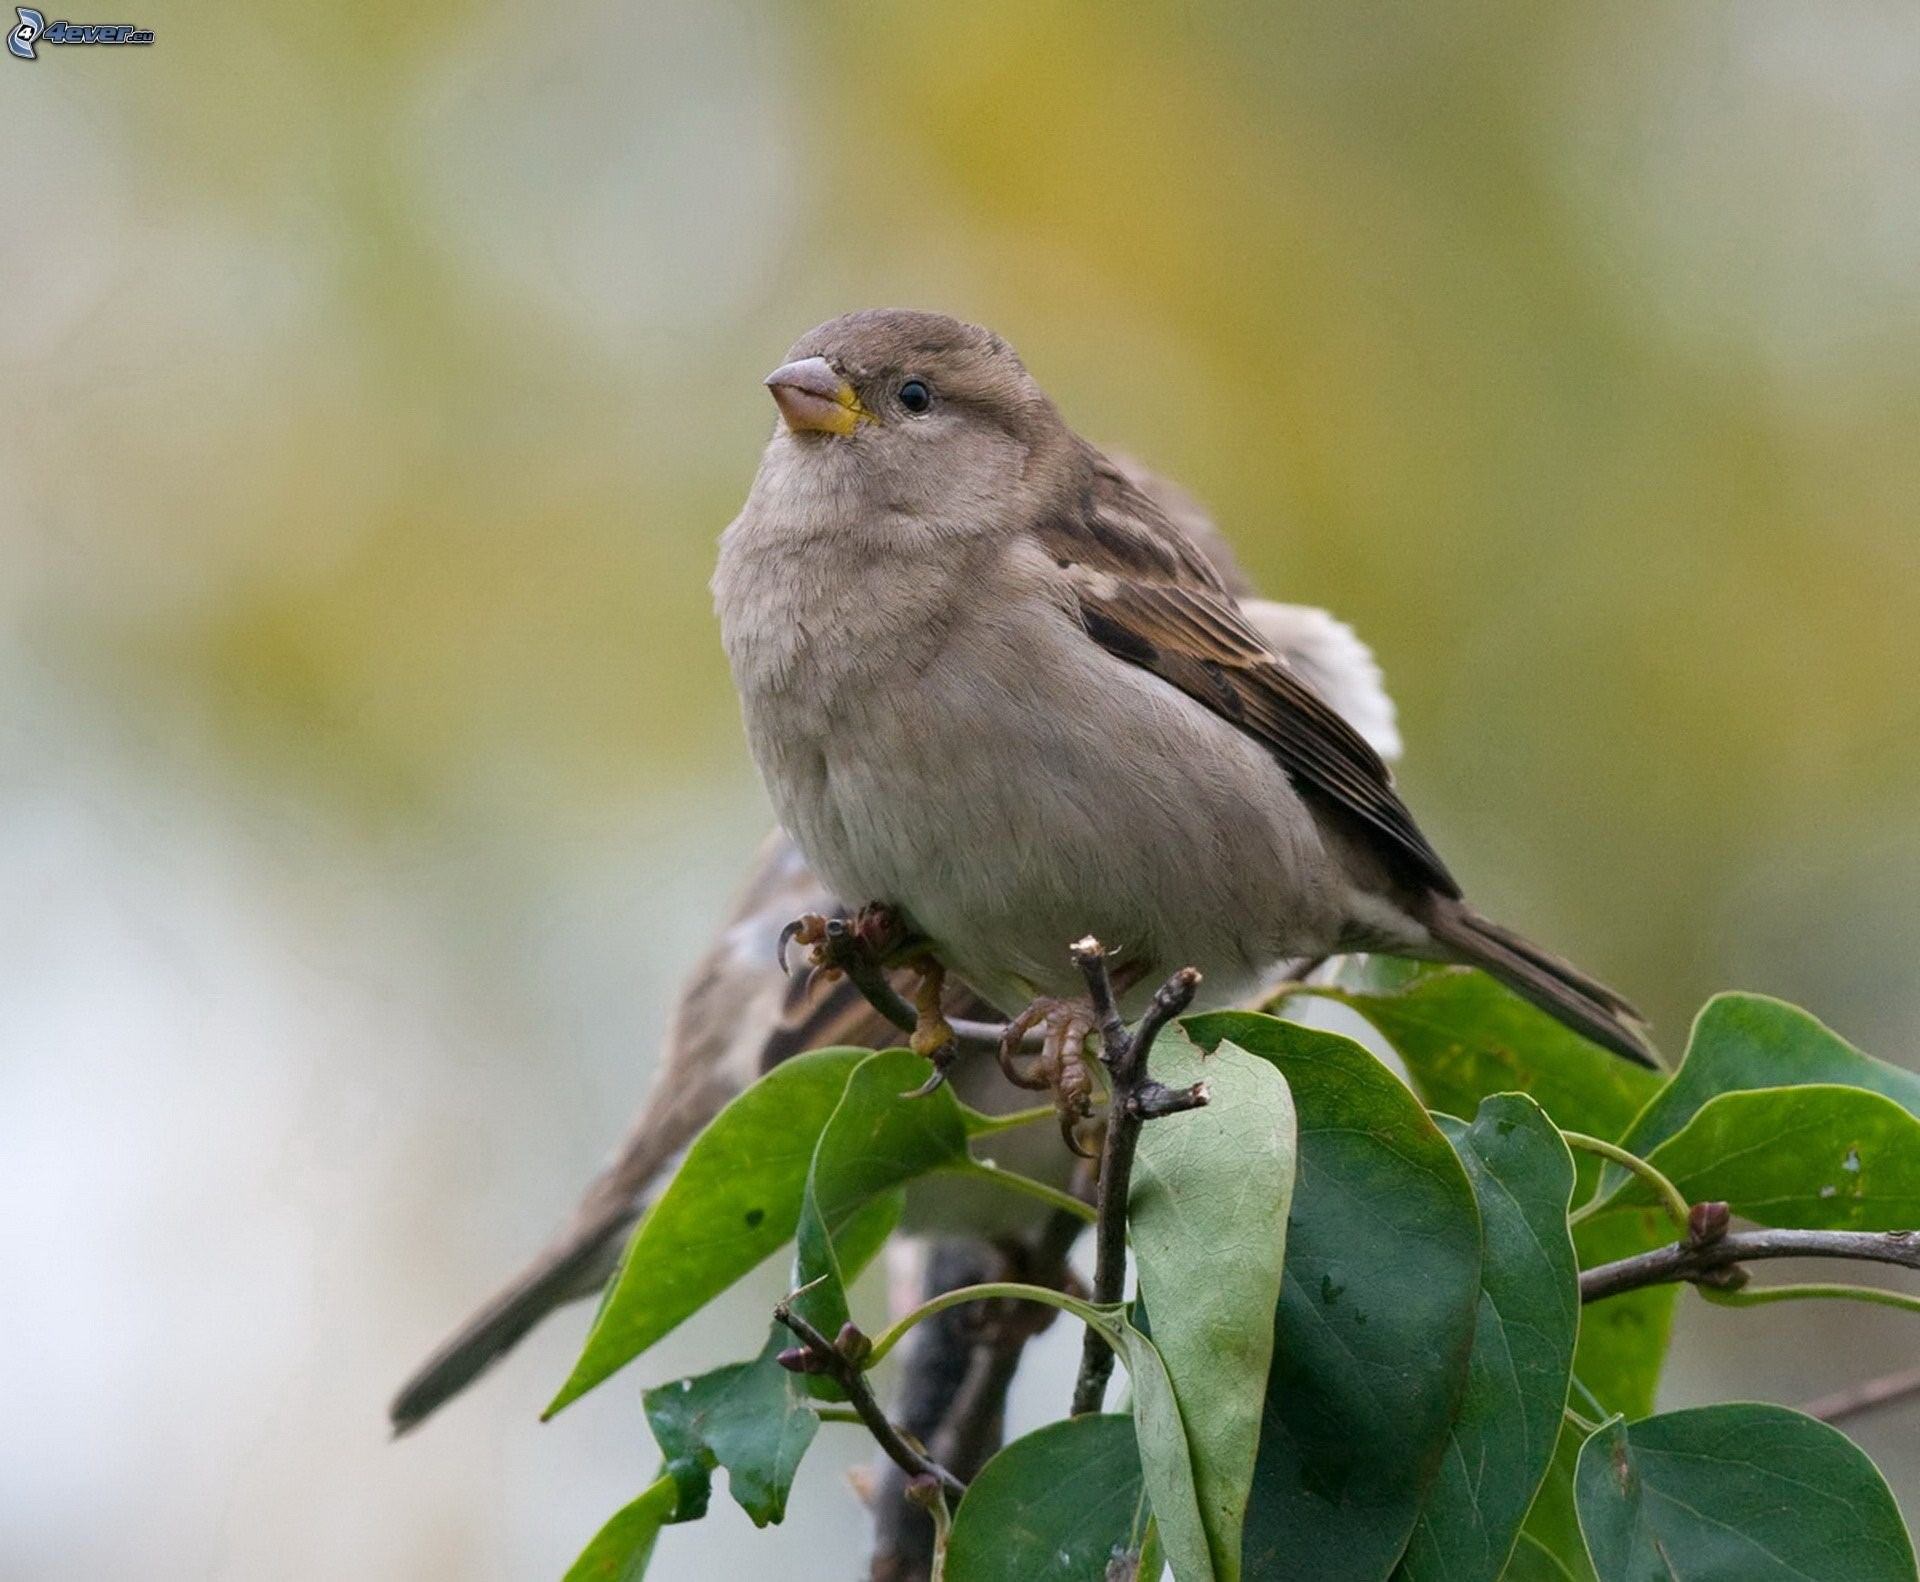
<point>861,948</point>
<point>933,1034</point>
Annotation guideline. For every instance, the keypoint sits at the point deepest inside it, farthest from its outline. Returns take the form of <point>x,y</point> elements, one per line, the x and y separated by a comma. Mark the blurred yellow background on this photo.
<point>373,384</point>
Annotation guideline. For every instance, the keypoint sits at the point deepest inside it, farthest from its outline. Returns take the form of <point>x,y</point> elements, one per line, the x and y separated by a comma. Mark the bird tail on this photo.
<point>1558,987</point>
<point>575,1265</point>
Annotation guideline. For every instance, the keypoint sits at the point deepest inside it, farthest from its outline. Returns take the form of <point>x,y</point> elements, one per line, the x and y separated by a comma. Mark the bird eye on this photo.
<point>915,396</point>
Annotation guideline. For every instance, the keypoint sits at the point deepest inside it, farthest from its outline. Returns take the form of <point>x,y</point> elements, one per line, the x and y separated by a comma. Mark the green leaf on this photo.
<point>1376,1313</point>
<point>1503,1440</point>
<point>1623,1340</point>
<point>1464,1038</point>
<point>1533,1562</point>
<point>876,1140</point>
<point>1737,1494</point>
<point>1553,1525</point>
<point>1208,1217</point>
<point>1806,1157</point>
<point>755,1418</point>
<point>621,1550</point>
<point>1166,1459</point>
<point>734,1200</point>
<point>1459,1031</point>
<point>1742,1041</point>
<point>745,1417</point>
<point>1054,1506</point>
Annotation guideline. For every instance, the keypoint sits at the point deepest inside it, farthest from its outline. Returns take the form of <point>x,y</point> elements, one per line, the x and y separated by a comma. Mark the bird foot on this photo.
<point>869,938</point>
<point>1060,1067</point>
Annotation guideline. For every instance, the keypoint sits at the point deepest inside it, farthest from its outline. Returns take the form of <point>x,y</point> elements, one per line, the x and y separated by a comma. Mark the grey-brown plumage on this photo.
<point>988,682</point>
<point>737,1015</point>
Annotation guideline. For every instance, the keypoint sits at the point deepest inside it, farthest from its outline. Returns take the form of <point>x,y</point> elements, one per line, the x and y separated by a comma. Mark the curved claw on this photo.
<point>933,1083</point>
<point>819,975</point>
<point>787,936</point>
<point>809,928</point>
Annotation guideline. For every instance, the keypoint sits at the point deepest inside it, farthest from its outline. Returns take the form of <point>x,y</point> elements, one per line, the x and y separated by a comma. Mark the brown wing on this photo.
<point>1145,597</point>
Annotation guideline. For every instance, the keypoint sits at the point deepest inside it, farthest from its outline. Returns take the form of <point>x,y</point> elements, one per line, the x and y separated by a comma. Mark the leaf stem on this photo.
<point>942,1531</point>
<point>1013,1181</point>
<point>1579,1422</point>
<point>1591,1399</point>
<point>1012,1290</point>
<point>1760,1296</point>
<point>1670,1195</point>
<point>981,1124</point>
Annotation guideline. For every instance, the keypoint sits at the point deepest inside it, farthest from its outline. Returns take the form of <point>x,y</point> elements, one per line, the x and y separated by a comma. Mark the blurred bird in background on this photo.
<point>738,1014</point>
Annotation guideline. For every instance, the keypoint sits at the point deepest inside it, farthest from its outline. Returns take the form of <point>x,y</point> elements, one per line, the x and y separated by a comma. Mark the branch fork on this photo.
<point>1135,1099</point>
<point>843,1360</point>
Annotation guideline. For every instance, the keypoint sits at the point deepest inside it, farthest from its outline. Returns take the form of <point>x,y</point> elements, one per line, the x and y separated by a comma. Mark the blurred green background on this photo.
<point>373,384</point>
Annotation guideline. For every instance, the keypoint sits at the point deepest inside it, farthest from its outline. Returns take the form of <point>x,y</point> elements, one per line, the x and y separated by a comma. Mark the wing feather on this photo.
<point>1146,597</point>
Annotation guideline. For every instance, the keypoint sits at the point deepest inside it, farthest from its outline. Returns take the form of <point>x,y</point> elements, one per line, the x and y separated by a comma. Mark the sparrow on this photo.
<point>992,687</point>
<point>738,1014</point>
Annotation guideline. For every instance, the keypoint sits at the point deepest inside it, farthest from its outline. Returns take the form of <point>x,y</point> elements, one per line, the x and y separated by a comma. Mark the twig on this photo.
<point>1716,1259</point>
<point>1869,1395</point>
<point>953,1386</point>
<point>841,1363</point>
<point>1135,1098</point>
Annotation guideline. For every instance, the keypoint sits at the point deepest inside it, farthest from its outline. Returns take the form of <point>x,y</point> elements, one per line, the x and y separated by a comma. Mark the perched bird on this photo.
<point>991,686</point>
<point>738,1015</point>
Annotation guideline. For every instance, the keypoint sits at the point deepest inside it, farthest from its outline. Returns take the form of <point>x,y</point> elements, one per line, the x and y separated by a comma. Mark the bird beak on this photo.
<point>811,396</point>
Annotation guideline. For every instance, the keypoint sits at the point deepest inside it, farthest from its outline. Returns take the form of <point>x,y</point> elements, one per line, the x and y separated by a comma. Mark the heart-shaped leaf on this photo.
<point>1464,1038</point>
<point>1744,1041</point>
<point>748,1418</point>
<point>755,1419</point>
<point>1811,1157</point>
<point>878,1138</point>
<point>1737,1494</point>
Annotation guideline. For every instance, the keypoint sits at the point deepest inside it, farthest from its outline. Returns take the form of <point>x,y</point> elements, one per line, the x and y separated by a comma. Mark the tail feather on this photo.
<point>1558,987</point>
<point>574,1266</point>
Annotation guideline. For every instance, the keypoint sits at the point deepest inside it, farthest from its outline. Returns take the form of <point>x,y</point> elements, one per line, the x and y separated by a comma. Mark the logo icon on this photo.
<point>30,26</point>
<point>32,29</point>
